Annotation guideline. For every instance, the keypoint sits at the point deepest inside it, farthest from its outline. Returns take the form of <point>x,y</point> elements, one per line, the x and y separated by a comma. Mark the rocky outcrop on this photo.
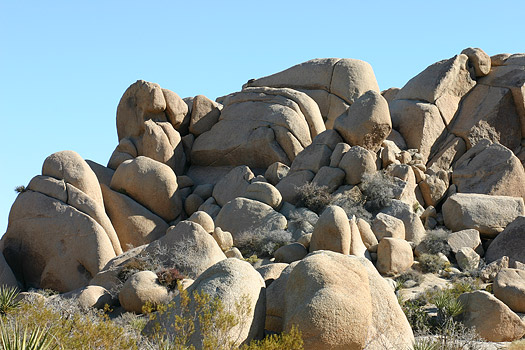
<point>333,83</point>
<point>258,127</point>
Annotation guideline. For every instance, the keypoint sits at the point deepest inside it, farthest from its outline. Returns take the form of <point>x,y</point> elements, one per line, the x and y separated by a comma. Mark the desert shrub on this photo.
<point>430,263</point>
<point>378,191</point>
<point>72,327</point>
<point>288,340</point>
<point>313,197</point>
<point>215,323</point>
<point>262,243</point>
<point>416,314</point>
<point>410,275</point>
<point>436,242</point>
<point>352,202</point>
<point>462,285</point>
<point>20,189</point>
<point>133,266</point>
<point>517,345</point>
<point>170,278</point>
<point>444,332</point>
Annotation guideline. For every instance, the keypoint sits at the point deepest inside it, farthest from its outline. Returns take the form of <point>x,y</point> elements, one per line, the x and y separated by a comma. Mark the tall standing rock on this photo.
<point>233,282</point>
<point>332,231</point>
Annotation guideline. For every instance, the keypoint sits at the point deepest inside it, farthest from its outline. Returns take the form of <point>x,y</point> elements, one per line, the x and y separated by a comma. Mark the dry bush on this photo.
<point>262,243</point>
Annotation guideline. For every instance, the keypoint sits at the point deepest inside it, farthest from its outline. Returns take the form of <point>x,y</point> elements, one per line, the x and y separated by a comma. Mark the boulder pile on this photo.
<point>323,182</point>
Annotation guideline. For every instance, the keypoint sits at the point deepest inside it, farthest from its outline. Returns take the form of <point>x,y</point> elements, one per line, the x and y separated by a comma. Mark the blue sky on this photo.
<point>65,64</point>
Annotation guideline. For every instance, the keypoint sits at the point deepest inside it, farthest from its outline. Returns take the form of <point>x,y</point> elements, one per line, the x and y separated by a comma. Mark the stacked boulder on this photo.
<point>346,178</point>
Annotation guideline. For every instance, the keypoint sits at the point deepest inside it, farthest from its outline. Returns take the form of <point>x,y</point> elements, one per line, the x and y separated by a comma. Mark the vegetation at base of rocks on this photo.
<point>465,284</point>
<point>262,243</point>
<point>409,275</point>
<point>517,345</point>
<point>430,263</point>
<point>288,340</point>
<point>14,337</point>
<point>436,241</point>
<point>8,299</point>
<point>170,278</point>
<point>378,191</point>
<point>219,328</point>
<point>443,331</point>
<point>58,323</point>
<point>133,266</point>
<point>375,192</point>
<point>20,189</point>
<point>316,198</point>
<point>67,326</point>
<point>252,259</point>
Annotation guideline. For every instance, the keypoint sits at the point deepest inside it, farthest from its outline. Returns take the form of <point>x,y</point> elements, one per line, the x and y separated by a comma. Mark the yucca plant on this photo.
<point>426,344</point>
<point>8,300</point>
<point>12,337</point>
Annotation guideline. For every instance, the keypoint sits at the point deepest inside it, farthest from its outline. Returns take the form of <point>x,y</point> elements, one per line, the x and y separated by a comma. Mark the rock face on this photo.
<point>419,122</point>
<point>150,183</point>
<point>509,287</point>
<point>242,214</point>
<point>496,323</point>
<point>510,243</point>
<point>258,127</point>
<point>487,214</point>
<point>32,251</point>
<point>232,185</point>
<point>135,225</point>
<point>356,163</point>
<point>488,112</point>
<point>188,247</point>
<point>231,281</point>
<point>332,231</point>
<point>318,284</point>
<point>333,83</point>
<point>443,84</point>
<point>141,288</point>
<point>394,256</point>
<point>489,168</point>
<point>366,123</point>
<point>465,238</point>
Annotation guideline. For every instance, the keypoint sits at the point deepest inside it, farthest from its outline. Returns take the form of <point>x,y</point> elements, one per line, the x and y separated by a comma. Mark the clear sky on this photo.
<point>65,64</point>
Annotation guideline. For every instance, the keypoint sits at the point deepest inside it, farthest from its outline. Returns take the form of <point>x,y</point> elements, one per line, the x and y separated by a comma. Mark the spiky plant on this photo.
<point>12,337</point>
<point>8,300</point>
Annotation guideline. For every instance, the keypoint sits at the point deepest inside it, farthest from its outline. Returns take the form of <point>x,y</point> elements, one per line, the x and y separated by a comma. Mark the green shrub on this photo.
<point>8,296</point>
<point>430,263</point>
<point>13,337</point>
<point>284,341</point>
<point>20,189</point>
